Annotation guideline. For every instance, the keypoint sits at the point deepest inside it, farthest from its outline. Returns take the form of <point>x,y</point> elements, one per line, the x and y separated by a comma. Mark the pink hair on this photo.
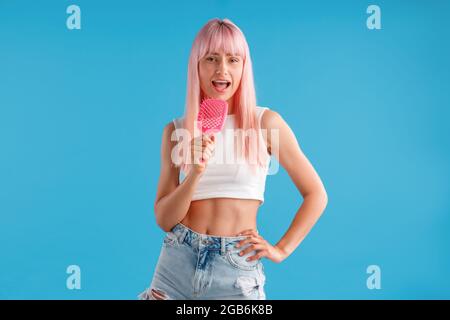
<point>224,36</point>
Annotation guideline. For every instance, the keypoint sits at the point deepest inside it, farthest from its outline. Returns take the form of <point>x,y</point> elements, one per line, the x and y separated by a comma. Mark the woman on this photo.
<point>212,249</point>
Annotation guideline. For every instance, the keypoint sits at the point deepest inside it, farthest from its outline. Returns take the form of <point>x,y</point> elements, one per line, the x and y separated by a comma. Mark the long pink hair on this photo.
<point>224,36</point>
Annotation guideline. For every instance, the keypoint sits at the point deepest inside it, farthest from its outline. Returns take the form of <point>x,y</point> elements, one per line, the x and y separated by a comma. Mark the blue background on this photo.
<point>82,112</point>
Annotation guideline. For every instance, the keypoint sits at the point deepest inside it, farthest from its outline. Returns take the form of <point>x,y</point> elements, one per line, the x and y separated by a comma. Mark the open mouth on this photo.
<point>221,85</point>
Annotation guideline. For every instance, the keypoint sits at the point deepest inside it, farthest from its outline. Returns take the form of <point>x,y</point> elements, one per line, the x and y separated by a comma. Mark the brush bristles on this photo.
<point>212,114</point>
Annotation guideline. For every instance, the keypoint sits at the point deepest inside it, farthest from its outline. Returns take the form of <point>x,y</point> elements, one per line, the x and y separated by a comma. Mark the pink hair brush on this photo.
<point>212,115</point>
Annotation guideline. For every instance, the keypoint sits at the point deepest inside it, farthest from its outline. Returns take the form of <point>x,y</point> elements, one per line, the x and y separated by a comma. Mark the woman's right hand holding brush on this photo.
<point>202,148</point>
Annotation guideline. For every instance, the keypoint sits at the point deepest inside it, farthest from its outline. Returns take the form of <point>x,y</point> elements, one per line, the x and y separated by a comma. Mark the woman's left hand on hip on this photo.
<point>262,247</point>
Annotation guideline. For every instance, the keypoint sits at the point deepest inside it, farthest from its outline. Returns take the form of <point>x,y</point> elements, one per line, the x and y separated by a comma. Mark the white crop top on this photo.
<point>225,178</point>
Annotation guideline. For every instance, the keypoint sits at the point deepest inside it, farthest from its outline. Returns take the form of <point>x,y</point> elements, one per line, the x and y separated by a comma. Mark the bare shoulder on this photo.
<point>168,129</point>
<point>272,122</point>
<point>168,143</point>
<point>169,137</point>
<point>271,119</point>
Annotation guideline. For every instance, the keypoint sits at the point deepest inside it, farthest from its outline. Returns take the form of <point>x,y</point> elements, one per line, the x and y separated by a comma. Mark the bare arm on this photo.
<point>174,199</point>
<point>290,156</point>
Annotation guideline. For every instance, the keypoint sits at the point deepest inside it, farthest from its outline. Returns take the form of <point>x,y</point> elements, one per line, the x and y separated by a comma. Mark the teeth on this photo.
<point>221,84</point>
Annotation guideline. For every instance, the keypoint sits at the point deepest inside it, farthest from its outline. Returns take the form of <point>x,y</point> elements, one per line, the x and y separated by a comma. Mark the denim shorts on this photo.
<point>195,266</point>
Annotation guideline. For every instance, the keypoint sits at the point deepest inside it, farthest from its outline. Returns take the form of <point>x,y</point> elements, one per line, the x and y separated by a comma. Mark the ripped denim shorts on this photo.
<point>195,266</point>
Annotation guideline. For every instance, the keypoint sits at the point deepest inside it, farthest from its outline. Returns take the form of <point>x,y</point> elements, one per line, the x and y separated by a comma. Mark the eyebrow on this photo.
<point>228,54</point>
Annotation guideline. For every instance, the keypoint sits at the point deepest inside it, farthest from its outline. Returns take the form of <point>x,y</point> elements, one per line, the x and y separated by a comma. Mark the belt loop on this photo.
<point>222,246</point>
<point>183,234</point>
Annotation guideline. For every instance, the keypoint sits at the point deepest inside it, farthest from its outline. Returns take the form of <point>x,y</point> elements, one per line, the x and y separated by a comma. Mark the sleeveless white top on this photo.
<point>228,175</point>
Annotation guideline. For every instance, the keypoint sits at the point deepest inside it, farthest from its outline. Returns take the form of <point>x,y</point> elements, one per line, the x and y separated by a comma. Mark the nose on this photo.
<point>222,68</point>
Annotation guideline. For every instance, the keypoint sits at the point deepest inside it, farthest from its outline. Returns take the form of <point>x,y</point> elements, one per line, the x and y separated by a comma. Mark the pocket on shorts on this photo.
<point>240,262</point>
<point>170,239</point>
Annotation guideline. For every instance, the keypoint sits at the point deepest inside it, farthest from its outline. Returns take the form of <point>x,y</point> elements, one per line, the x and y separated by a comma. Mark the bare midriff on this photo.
<point>225,217</point>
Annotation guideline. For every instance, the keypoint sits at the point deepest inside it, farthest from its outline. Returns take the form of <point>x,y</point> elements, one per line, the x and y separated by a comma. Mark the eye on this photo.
<point>210,59</point>
<point>234,60</point>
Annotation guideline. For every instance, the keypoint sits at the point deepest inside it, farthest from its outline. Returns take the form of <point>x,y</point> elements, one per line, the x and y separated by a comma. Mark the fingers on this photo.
<point>206,154</point>
<point>198,144</point>
<point>258,243</point>
<point>251,248</point>
<point>202,148</point>
<point>251,239</point>
<point>210,148</point>
<point>204,144</point>
<point>259,255</point>
<point>204,139</point>
<point>209,137</point>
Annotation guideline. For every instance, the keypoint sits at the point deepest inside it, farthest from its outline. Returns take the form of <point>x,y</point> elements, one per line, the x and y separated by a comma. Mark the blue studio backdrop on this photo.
<point>82,112</point>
